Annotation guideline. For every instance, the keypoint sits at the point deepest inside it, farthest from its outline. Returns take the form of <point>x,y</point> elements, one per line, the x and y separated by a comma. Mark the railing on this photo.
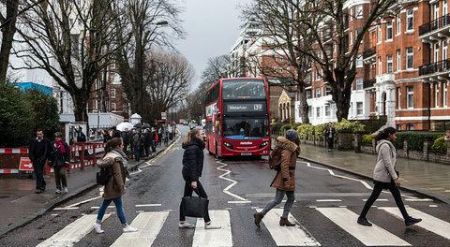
<point>434,25</point>
<point>441,66</point>
<point>369,83</point>
<point>369,52</point>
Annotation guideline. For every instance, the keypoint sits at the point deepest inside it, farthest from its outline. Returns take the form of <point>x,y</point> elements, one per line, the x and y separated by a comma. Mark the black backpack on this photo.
<point>275,159</point>
<point>104,175</point>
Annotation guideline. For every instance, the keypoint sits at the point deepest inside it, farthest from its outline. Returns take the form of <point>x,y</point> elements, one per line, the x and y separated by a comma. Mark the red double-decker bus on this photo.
<point>237,117</point>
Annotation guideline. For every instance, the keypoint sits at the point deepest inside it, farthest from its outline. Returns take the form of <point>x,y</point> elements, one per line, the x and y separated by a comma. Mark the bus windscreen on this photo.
<point>244,128</point>
<point>243,89</point>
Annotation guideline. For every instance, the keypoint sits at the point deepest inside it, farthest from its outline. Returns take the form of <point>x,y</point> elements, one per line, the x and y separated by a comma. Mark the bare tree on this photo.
<point>280,33</point>
<point>150,23</point>
<point>167,79</point>
<point>73,41</point>
<point>327,42</point>
<point>218,67</point>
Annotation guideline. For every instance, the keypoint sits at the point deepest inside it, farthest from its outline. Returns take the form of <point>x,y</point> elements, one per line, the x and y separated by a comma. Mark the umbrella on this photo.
<point>138,125</point>
<point>146,125</point>
<point>123,126</point>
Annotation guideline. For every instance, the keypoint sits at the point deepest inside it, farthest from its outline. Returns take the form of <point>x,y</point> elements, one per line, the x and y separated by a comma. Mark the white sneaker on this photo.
<point>208,225</point>
<point>98,228</point>
<point>185,225</point>
<point>129,228</point>
<point>58,191</point>
<point>66,190</point>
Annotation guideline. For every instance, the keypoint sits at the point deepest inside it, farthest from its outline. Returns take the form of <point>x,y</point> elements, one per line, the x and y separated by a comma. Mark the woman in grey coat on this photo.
<point>386,177</point>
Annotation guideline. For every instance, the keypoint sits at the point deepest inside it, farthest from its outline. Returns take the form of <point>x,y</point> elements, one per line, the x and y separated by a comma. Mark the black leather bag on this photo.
<point>103,176</point>
<point>194,206</point>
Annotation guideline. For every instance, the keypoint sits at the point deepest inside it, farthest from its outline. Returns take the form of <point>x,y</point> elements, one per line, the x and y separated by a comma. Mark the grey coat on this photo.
<point>387,158</point>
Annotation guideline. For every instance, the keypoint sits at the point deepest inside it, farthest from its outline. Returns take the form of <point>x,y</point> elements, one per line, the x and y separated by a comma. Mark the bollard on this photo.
<point>405,149</point>
<point>426,147</point>
<point>82,156</point>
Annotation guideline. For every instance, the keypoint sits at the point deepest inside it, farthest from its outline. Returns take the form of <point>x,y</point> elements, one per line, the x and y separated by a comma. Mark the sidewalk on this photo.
<point>431,179</point>
<point>20,205</point>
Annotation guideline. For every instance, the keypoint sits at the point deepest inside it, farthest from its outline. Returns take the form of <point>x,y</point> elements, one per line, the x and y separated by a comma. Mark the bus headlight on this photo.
<point>228,145</point>
<point>264,144</point>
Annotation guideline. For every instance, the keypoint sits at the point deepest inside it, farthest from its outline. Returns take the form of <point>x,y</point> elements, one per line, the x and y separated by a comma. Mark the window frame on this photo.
<point>410,93</point>
<point>409,58</point>
<point>410,20</point>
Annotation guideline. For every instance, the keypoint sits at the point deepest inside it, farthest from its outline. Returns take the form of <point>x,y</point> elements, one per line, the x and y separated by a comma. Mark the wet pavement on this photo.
<point>427,177</point>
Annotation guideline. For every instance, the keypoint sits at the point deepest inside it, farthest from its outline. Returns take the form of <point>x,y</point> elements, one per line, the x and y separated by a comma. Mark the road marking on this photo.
<point>287,236</point>
<point>239,202</point>
<point>378,200</point>
<point>436,188</point>
<point>66,208</point>
<point>418,200</point>
<point>73,232</point>
<point>214,237</point>
<point>433,206</point>
<point>338,176</point>
<point>447,191</point>
<point>83,202</point>
<point>429,222</point>
<point>329,200</point>
<point>149,224</point>
<point>148,205</point>
<point>136,172</point>
<point>369,236</point>
<point>99,207</point>
<point>233,182</point>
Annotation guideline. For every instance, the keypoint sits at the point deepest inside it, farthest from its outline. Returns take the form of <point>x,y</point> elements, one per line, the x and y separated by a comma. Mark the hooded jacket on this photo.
<point>193,159</point>
<point>285,178</point>
<point>387,158</point>
<point>116,185</point>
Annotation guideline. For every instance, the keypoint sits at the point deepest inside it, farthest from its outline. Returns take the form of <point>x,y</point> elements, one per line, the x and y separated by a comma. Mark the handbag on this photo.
<point>194,206</point>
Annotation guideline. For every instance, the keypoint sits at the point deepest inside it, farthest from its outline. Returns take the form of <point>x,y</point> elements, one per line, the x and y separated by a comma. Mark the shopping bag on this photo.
<point>194,206</point>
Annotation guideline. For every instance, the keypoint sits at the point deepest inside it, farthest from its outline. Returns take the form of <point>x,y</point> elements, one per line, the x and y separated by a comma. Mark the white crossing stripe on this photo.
<point>287,236</point>
<point>369,236</point>
<point>73,232</point>
<point>429,222</point>
<point>214,237</point>
<point>149,224</point>
<point>418,200</point>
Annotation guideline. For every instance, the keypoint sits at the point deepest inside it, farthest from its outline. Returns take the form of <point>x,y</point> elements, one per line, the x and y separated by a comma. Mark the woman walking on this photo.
<point>192,171</point>
<point>115,160</point>
<point>284,181</point>
<point>386,177</point>
<point>60,156</point>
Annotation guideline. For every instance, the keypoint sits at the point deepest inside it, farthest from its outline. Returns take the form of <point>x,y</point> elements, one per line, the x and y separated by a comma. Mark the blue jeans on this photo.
<point>119,209</point>
<point>277,200</point>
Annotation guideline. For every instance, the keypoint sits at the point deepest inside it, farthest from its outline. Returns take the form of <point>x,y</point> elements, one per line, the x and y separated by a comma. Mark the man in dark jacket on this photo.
<point>39,152</point>
<point>329,136</point>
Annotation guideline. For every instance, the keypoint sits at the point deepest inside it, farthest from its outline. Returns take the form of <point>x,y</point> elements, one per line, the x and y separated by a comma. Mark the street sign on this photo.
<point>163,115</point>
<point>25,164</point>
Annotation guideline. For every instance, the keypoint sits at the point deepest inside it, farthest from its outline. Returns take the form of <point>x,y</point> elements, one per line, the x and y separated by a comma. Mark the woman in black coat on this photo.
<point>192,171</point>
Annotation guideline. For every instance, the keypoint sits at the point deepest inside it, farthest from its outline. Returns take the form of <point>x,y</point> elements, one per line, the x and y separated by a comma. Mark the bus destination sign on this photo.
<point>245,107</point>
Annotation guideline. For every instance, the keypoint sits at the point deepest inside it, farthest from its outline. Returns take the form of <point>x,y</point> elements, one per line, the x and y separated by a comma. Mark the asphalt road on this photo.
<point>326,203</point>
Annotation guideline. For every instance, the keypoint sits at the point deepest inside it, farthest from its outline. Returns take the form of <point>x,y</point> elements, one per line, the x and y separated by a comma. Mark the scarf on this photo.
<point>122,155</point>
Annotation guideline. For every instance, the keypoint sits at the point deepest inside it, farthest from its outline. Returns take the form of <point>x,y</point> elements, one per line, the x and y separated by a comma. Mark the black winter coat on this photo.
<point>193,160</point>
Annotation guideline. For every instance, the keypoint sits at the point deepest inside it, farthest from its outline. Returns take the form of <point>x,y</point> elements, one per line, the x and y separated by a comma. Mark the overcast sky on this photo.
<point>212,27</point>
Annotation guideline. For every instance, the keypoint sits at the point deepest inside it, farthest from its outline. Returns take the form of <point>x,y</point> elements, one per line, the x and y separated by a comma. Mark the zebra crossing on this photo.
<point>151,223</point>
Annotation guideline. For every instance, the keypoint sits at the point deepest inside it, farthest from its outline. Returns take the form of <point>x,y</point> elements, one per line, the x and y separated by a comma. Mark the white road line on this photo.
<point>136,172</point>
<point>239,202</point>
<point>378,200</point>
<point>339,176</point>
<point>436,188</point>
<point>148,205</point>
<point>214,237</point>
<point>369,236</point>
<point>149,224</point>
<point>429,222</point>
<point>447,191</point>
<point>66,208</point>
<point>233,182</point>
<point>83,202</point>
<point>73,232</point>
<point>418,200</point>
<point>287,236</point>
<point>99,207</point>
<point>329,200</point>
<point>433,206</point>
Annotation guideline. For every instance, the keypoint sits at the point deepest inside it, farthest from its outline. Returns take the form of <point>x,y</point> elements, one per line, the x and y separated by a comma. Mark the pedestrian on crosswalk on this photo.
<point>115,160</point>
<point>385,176</point>
<point>284,181</point>
<point>192,171</point>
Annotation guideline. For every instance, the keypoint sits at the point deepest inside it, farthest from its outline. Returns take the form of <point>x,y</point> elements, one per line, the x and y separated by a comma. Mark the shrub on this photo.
<point>439,145</point>
<point>367,140</point>
<point>416,139</point>
<point>345,126</point>
<point>305,130</point>
<point>46,118</point>
<point>319,131</point>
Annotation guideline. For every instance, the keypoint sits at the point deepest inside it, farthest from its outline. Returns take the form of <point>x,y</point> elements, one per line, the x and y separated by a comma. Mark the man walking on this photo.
<point>329,136</point>
<point>38,153</point>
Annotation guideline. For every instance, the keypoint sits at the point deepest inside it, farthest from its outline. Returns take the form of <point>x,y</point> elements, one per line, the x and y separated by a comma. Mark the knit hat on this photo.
<point>291,135</point>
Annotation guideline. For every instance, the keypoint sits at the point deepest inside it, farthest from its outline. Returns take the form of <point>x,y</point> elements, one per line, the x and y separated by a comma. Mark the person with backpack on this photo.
<point>385,176</point>
<point>192,171</point>
<point>60,156</point>
<point>283,159</point>
<point>115,162</point>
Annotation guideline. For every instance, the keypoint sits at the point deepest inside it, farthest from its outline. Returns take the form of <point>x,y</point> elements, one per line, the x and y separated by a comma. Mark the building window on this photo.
<point>359,61</point>
<point>310,111</point>
<point>359,108</point>
<point>113,93</point>
<point>318,112</point>
<point>445,95</point>
<point>399,60</point>
<point>409,58</point>
<point>380,66</point>
<point>436,95</point>
<point>445,8</point>
<point>399,25</point>
<point>359,84</point>
<point>410,97</point>
<point>444,50</point>
<point>318,92</point>
<point>327,110</point>
<point>113,107</point>
<point>436,53</point>
<point>389,31</point>
<point>409,20</point>
<point>359,11</point>
<point>308,94</point>
<point>327,91</point>
<point>398,95</point>
<point>389,64</point>
<point>436,11</point>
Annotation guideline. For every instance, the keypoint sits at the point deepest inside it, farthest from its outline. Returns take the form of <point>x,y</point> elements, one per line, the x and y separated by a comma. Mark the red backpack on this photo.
<point>275,159</point>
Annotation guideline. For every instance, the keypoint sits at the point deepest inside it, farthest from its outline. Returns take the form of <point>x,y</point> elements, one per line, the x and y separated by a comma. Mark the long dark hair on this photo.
<point>113,144</point>
<point>385,133</point>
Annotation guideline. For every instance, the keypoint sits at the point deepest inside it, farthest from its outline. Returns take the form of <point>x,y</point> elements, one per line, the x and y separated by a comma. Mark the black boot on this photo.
<point>258,217</point>
<point>411,221</point>
<point>285,222</point>
<point>364,222</point>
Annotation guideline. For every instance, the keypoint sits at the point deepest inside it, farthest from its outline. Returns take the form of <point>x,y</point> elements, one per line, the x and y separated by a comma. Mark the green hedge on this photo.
<point>346,126</point>
<point>367,140</point>
<point>285,127</point>
<point>305,130</point>
<point>416,139</point>
<point>439,146</point>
